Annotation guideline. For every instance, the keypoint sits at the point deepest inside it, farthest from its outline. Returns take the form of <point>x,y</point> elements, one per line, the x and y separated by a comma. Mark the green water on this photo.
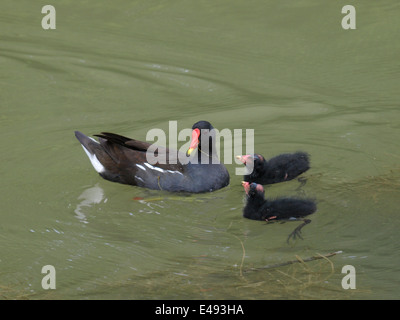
<point>287,70</point>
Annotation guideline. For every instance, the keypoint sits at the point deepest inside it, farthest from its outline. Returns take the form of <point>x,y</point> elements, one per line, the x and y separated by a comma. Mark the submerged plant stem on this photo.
<point>298,260</point>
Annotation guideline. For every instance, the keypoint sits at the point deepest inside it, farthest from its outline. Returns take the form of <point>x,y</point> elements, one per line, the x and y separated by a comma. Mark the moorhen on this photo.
<point>121,159</point>
<point>281,209</point>
<point>283,167</point>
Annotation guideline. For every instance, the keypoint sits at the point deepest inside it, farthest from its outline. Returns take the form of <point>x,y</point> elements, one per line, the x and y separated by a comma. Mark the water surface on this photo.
<point>288,71</point>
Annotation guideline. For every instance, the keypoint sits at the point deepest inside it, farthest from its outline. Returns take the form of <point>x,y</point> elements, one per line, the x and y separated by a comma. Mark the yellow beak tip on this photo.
<point>190,150</point>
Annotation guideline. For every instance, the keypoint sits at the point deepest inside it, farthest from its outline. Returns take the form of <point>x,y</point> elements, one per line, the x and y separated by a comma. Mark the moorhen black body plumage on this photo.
<point>283,167</point>
<point>121,159</point>
<point>281,209</point>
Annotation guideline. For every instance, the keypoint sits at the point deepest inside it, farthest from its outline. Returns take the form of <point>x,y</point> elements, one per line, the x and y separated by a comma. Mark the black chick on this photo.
<point>283,167</point>
<point>281,209</point>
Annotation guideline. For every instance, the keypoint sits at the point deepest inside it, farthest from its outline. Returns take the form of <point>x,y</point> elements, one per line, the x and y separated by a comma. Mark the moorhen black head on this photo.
<point>283,209</point>
<point>124,160</point>
<point>283,167</point>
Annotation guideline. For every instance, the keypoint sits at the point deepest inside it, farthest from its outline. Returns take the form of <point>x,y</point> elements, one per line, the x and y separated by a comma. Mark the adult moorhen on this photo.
<point>283,209</point>
<point>121,159</point>
<point>283,167</point>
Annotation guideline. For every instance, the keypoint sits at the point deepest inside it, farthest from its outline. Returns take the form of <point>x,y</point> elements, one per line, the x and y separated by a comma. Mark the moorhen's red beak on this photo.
<point>195,141</point>
<point>246,186</point>
<point>245,158</point>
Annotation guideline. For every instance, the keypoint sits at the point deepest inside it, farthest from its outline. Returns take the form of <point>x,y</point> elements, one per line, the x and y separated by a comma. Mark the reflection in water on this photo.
<point>151,206</point>
<point>89,197</point>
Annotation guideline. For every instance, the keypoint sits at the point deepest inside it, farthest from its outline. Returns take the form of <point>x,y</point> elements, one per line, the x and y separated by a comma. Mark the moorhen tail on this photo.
<point>281,209</point>
<point>124,160</point>
<point>283,167</point>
